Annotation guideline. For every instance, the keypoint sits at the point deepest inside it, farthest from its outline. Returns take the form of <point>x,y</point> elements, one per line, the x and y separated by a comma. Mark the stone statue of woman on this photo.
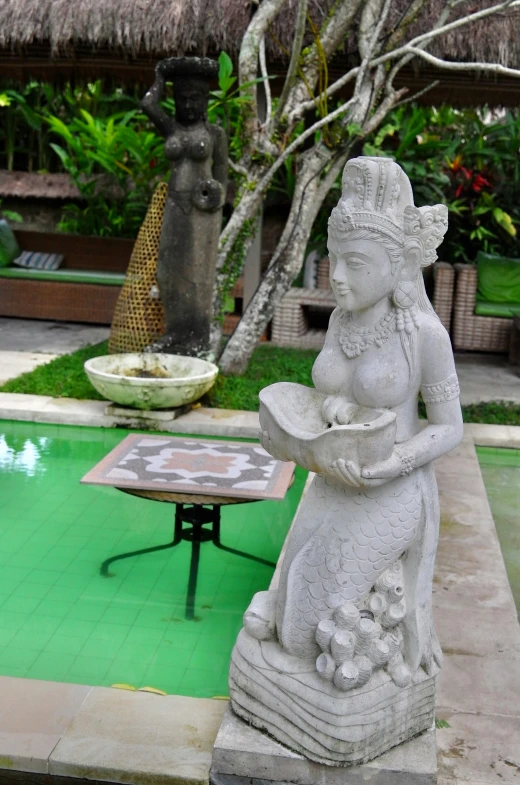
<point>340,662</point>
<point>193,210</point>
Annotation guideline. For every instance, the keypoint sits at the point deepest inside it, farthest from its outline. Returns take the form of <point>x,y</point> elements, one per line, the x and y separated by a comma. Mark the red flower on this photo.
<point>479,182</point>
<point>152,163</point>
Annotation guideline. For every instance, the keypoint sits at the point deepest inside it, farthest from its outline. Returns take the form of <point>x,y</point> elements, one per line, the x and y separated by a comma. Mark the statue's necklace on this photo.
<point>355,339</point>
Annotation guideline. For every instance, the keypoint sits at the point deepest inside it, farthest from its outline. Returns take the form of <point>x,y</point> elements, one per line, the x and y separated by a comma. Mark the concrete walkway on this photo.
<point>26,343</point>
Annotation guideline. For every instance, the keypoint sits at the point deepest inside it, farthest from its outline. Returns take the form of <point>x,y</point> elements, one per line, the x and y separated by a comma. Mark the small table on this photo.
<point>199,476</point>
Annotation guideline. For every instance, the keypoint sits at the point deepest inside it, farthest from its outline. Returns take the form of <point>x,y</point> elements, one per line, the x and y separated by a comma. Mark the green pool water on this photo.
<point>61,620</point>
<point>501,472</point>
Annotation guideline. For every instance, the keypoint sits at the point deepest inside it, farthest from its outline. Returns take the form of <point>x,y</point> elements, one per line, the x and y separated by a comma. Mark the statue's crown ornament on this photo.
<point>377,196</point>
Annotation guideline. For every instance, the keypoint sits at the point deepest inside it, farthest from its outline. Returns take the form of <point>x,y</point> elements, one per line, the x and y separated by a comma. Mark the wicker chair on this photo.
<point>476,333</point>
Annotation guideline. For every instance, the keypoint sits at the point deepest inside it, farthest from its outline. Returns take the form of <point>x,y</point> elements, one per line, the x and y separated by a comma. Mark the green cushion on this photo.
<point>65,276</point>
<point>502,310</point>
<point>498,278</point>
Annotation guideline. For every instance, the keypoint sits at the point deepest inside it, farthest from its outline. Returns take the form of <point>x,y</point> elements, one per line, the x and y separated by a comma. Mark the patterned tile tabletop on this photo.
<point>193,466</point>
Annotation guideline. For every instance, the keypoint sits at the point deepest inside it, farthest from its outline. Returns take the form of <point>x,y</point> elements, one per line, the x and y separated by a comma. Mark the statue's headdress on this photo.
<point>189,69</point>
<point>377,196</point>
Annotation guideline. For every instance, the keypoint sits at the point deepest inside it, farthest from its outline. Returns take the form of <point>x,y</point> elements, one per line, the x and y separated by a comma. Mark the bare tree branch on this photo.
<point>237,168</point>
<point>292,71</point>
<point>248,62</point>
<point>373,18</point>
<point>230,232</point>
<point>437,31</point>
<point>415,96</point>
<point>331,35</point>
<point>448,65</point>
<point>306,106</point>
<point>398,33</point>
<point>265,77</point>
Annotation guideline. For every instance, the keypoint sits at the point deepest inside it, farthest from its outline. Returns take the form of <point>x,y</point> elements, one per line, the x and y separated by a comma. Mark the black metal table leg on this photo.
<point>197,516</point>
<point>192,580</point>
<point>177,536</point>
<point>218,544</point>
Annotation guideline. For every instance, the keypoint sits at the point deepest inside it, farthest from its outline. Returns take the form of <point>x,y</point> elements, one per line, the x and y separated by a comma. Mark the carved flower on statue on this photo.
<point>198,463</point>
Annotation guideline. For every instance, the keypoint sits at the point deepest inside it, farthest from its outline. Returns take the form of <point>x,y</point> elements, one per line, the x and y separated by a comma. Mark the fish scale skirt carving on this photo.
<point>361,532</point>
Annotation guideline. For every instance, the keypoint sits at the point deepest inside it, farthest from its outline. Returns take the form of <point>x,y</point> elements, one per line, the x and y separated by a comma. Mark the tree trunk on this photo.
<point>285,265</point>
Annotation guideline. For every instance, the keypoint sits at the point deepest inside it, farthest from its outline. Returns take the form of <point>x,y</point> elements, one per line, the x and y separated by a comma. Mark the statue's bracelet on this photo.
<point>407,463</point>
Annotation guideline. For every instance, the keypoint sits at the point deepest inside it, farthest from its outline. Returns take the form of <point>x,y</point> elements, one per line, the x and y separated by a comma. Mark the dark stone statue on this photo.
<point>193,210</point>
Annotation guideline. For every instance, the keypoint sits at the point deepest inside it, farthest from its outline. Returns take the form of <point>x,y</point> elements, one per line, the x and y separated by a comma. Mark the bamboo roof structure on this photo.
<point>123,39</point>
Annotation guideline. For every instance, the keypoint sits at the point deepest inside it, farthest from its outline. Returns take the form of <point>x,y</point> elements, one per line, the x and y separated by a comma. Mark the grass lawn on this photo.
<point>64,377</point>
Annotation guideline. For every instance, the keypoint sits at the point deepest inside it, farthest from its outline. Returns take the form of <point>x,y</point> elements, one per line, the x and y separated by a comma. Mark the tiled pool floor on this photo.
<point>501,472</point>
<point>61,620</point>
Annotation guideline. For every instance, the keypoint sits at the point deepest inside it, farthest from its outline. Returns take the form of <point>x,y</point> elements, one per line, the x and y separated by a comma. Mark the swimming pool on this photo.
<point>61,620</point>
<point>501,472</point>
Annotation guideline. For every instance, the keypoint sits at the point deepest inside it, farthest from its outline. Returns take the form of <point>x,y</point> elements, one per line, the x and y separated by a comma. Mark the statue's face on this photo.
<point>360,273</point>
<point>190,104</point>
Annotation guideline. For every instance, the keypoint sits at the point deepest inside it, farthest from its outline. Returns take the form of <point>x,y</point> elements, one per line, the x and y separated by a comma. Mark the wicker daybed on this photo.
<point>84,289</point>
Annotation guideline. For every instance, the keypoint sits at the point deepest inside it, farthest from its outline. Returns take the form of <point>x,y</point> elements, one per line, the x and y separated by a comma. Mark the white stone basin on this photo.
<point>151,381</point>
<point>297,430</point>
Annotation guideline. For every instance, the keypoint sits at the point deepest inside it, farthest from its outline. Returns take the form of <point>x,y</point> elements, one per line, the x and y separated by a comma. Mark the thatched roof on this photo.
<point>157,27</point>
<point>60,40</point>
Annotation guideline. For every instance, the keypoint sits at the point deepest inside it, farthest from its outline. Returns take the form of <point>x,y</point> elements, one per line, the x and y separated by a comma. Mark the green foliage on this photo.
<point>492,412</point>
<point>466,160</point>
<point>115,164</point>
<point>268,364</point>
<point>10,215</point>
<point>24,134</point>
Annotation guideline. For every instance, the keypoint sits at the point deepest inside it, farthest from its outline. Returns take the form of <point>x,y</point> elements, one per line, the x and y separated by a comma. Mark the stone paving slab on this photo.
<point>139,738</point>
<point>33,717</point>
<point>69,411</point>
<point>37,335</point>
<point>12,364</point>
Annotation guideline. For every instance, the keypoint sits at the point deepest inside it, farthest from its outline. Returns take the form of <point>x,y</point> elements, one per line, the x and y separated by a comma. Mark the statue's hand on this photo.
<point>382,471</point>
<point>346,472</point>
<point>368,476</point>
<point>208,195</point>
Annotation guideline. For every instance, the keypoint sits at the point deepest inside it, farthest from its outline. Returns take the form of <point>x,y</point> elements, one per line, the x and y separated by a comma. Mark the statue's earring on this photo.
<point>405,296</point>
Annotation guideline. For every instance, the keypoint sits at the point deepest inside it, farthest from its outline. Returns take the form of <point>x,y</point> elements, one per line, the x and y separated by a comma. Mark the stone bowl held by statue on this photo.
<point>294,428</point>
<point>151,381</point>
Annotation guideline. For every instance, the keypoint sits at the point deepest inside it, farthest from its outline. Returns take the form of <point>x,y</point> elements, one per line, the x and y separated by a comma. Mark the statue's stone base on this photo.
<point>244,755</point>
<point>148,418</point>
<point>285,697</point>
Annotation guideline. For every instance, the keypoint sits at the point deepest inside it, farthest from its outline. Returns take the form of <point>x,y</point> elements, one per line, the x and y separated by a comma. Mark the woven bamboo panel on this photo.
<point>476,333</point>
<point>66,302</point>
<point>444,278</point>
<point>139,315</point>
